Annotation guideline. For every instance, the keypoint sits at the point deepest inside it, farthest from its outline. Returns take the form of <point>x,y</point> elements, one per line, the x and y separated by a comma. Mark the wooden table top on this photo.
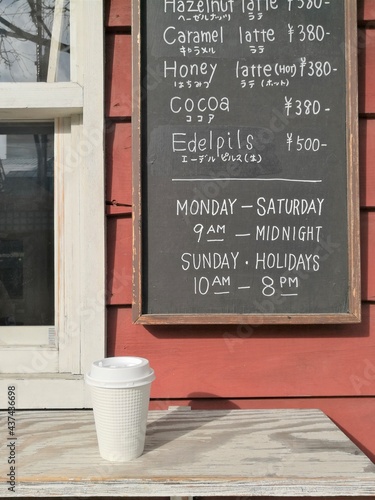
<point>189,453</point>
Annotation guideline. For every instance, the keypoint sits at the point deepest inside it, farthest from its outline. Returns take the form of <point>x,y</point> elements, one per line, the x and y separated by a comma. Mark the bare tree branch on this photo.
<point>23,35</point>
<point>37,18</point>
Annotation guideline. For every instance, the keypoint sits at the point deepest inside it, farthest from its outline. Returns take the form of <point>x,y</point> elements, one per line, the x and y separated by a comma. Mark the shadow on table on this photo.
<point>178,422</point>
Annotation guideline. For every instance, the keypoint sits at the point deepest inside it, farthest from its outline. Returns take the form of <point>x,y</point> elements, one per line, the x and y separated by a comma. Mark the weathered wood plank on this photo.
<point>252,453</point>
<point>354,416</point>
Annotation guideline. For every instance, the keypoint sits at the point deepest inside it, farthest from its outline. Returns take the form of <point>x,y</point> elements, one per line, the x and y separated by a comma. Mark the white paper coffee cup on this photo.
<point>120,391</point>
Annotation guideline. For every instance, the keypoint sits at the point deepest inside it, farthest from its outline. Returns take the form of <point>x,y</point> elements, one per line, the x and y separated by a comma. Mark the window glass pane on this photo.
<point>26,224</point>
<point>26,30</point>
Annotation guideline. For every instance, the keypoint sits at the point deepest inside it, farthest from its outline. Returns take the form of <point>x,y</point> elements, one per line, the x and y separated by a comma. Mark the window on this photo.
<point>27,225</point>
<point>52,269</point>
<point>35,40</point>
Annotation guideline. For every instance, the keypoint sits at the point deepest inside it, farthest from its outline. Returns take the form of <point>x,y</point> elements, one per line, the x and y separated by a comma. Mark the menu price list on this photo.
<point>244,146</point>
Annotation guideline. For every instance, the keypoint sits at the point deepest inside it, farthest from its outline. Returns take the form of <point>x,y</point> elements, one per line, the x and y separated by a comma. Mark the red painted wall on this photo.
<point>328,367</point>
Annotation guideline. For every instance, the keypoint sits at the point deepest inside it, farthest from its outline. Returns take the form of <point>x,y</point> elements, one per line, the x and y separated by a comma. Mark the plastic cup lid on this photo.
<point>120,372</point>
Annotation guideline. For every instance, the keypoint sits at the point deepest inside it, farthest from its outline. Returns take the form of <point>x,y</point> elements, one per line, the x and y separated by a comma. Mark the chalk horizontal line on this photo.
<point>278,179</point>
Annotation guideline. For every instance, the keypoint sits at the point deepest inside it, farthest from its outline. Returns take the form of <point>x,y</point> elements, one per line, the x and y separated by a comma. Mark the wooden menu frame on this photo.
<point>141,278</point>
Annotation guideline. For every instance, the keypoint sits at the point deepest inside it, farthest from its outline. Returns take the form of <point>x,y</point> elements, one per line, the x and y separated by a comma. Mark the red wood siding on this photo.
<point>367,249</point>
<point>118,75</point>
<point>366,69</point>
<point>118,155</point>
<point>244,361</point>
<point>367,162</point>
<point>327,367</point>
<point>366,10</point>
<point>118,13</point>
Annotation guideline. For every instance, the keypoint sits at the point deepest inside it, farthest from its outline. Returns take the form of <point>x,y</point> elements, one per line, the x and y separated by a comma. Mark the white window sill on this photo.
<point>25,101</point>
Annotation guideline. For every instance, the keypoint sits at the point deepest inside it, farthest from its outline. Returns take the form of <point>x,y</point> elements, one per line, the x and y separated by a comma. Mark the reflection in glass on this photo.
<point>26,224</point>
<point>26,30</point>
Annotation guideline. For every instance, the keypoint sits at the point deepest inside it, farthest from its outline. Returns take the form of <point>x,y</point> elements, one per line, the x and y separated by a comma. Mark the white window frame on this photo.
<point>48,371</point>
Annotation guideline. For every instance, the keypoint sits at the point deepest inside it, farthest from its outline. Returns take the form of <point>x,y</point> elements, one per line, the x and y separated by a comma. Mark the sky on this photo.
<point>22,53</point>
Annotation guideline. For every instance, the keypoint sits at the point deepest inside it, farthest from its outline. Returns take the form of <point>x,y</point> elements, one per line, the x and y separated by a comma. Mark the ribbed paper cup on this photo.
<point>120,391</point>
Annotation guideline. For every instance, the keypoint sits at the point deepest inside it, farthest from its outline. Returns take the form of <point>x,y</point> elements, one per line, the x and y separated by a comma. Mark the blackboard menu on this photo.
<point>245,161</point>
